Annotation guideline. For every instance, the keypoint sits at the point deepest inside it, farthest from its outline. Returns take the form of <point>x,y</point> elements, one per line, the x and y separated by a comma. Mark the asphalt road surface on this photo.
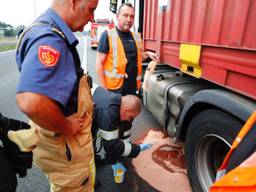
<point>35,180</point>
<point>161,168</point>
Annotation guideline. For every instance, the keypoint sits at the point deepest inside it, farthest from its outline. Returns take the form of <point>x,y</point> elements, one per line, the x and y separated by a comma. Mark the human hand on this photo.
<point>150,69</point>
<point>21,160</point>
<point>145,146</point>
<point>152,56</point>
<point>75,123</point>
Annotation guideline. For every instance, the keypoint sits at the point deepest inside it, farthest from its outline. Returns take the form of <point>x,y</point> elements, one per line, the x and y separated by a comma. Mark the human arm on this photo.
<point>150,55</point>
<point>100,59</point>
<point>107,118</point>
<point>46,113</point>
<point>116,148</point>
<point>47,79</point>
<point>150,69</point>
<point>119,147</point>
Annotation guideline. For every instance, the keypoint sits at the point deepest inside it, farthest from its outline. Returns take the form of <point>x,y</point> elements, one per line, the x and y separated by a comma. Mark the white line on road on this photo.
<point>7,52</point>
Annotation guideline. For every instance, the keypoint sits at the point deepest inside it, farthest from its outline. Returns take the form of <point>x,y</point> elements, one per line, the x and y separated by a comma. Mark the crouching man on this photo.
<point>110,110</point>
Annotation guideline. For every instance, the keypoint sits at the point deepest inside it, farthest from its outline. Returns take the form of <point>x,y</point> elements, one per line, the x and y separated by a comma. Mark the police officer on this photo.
<point>49,68</point>
<point>110,110</point>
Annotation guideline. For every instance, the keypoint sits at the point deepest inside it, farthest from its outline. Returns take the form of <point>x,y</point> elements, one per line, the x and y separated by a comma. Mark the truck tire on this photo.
<point>209,137</point>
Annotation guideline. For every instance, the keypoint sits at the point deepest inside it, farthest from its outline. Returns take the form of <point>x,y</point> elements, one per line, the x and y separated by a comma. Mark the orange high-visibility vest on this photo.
<point>115,63</point>
<point>242,178</point>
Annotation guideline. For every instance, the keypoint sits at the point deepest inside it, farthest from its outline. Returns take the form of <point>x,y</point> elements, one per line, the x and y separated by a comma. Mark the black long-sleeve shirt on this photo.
<point>107,120</point>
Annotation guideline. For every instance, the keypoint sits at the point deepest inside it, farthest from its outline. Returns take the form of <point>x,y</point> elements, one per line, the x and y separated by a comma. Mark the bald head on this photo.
<point>130,107</point>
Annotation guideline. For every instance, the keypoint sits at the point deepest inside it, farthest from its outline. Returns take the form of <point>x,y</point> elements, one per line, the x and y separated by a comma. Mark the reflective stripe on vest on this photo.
<point>139,77</point>
<point>109,135</point>
<point>127,140</point>
<point>241,178</point>
<point>113,73</point>
<point>138,41</point>
<point>115,64</point>
<point>127,149</point>
<point>127,133</point>
<point>245,129</point>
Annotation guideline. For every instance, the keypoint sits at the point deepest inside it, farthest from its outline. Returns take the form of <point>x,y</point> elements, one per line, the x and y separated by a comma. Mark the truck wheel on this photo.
<point>208,139</point>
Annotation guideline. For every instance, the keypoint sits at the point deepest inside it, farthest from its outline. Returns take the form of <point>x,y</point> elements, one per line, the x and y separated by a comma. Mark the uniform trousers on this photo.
<point>68,161</point>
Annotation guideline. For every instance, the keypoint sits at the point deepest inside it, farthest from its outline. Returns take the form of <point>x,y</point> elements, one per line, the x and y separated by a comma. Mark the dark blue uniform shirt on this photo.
<point>107,107</point>
<point>107,118</point>
<point>55,82</point>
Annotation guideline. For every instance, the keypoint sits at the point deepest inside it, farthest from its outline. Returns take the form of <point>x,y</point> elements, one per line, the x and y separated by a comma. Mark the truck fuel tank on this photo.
<point>167,94</point>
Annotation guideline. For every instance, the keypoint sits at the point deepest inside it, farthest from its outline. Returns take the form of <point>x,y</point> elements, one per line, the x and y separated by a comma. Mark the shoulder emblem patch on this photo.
<point>48,55</point>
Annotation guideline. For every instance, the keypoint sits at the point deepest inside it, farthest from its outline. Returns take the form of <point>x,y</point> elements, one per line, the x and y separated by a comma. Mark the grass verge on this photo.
<point>7,47</point>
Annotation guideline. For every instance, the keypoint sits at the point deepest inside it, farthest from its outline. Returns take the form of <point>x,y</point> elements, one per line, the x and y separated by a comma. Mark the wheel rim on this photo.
<point>211,152</point>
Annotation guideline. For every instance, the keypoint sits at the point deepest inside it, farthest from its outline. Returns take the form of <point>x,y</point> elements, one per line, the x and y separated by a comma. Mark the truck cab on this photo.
<point>97,28</point>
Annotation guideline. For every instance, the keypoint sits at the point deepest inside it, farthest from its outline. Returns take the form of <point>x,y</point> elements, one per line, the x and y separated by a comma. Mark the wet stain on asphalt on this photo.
<point>163,165</point>
<point>170,158</point>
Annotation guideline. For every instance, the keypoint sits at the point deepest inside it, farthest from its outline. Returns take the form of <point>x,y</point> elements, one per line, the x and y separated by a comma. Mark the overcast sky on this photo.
<point>22,12</point>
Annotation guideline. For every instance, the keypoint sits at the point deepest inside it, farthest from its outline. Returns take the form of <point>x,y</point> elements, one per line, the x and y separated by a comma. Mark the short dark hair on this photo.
<point>124,4</point>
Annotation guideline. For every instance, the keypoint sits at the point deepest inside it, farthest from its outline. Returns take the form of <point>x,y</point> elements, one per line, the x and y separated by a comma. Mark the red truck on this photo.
<point>205,88</point>
<point>97,28</point>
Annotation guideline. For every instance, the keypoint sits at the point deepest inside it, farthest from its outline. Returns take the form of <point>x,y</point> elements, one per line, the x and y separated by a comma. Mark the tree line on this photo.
<point>9,30</point>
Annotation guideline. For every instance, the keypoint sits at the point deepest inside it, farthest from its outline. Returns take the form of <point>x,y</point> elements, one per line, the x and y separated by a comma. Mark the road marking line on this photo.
<point>6,52</point>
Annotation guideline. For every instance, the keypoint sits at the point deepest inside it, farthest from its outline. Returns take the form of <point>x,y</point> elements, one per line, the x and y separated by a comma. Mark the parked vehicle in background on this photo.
<point>204,90</point>
<point>97,28</point>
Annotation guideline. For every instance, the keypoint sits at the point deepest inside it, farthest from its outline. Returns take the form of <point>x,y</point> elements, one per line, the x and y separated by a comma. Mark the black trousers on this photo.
<point>8,180</point>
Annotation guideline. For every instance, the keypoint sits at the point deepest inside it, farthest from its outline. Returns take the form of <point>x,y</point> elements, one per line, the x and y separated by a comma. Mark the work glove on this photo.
<point>145,146</point>
<point>20,160</point>
<point>119,171</point>
<point>7,124</point>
